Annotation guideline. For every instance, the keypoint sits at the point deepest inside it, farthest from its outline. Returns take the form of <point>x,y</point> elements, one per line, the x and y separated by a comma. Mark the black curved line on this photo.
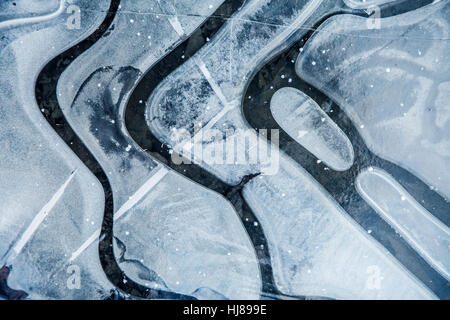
<point>45,91</point>
<point>340,184</point>
<point>137,127</point>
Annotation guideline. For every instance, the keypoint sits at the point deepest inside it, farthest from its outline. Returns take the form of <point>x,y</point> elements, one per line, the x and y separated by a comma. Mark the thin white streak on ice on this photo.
<point>176,25</point>
<point>22,21</point>
<point>85,245</point>
<point>132,201</point>
<point>304,120</point>
<point>173,20</point>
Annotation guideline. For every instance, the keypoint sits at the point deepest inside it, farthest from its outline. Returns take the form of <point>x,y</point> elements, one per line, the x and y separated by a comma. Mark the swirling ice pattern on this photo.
<point>116,96</point>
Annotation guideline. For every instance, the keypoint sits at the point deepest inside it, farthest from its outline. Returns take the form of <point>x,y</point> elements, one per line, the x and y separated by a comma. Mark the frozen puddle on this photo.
<point>191,238</point>
<point>20,12</point>
<point>394,86</point>
<point>50,201</point>
<point>426,234</point>
<point>316,248</point>
<point>171,233</point>
<point>310,126</point>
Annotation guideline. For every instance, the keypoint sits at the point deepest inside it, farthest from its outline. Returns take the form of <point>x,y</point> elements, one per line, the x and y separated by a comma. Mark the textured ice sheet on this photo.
<point>303,119</point>
<point>50,201</point>
<point>191,238</point>
<point>393,82</point>
<point>27,8</point>
<point>428,235</point>
<point>357,4</point>
<point>206,91</point>
<point>175,235</point>
<point>22,16</point>
<point>306,230</point>
<point>317,248</point>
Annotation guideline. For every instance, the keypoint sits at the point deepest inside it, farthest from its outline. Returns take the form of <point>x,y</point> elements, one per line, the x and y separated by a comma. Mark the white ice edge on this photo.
<point>283,100</point>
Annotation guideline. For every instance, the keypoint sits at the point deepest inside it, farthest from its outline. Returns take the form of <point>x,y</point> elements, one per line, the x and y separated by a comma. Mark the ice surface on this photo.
<point>316,248</point>
<point>191,238</point>
<point>50,201</point>
<point>171,233</point>
<point>303,119</point>
<point>393,82</point>
<point>206,91</point>
<point>357,4</point>
<point>428,235</point>
<point>27,8</point>
<point>21,15</point>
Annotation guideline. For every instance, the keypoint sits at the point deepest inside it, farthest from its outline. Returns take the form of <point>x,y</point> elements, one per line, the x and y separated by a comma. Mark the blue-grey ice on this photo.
<point>364,4</point>
<point>172,233</point>
<point>393,82</point>
<point>206,91</point>
<point>303,119</point>
<point>22,11</point>
<point>424,232</point>
<point>316,248</point>
<point>50,201</point>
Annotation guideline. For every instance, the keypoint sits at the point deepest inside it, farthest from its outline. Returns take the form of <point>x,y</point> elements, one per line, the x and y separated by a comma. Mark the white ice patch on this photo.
<point>192,238</point>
